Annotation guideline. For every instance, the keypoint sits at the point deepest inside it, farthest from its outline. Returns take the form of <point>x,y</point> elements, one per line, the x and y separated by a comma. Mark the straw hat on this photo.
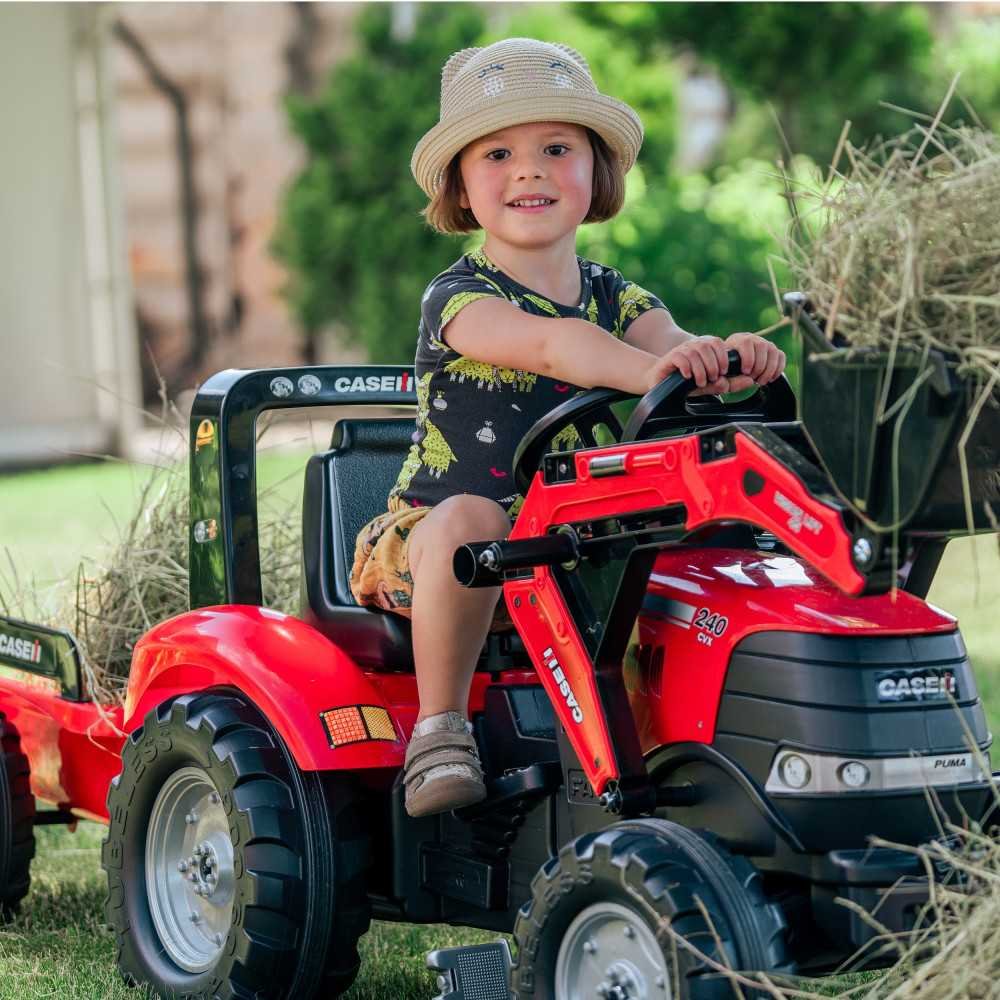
<point>512,82</point>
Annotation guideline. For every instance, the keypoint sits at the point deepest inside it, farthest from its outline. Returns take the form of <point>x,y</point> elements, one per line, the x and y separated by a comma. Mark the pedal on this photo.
<point>472,972</point>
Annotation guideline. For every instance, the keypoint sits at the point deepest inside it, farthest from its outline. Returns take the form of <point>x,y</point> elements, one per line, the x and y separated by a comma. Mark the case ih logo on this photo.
<point>910,686</point>
<point>797,517</point>
<point>27,650</point>
<point>374,383</point>
<point>567,692</point>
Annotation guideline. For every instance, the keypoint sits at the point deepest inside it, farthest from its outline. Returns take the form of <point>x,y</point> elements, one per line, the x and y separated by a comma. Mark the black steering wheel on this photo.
<point>664,408</point>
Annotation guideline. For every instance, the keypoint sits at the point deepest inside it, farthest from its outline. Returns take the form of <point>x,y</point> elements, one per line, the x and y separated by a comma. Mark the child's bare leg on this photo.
<point>450,622</point>
<point>442,769</point>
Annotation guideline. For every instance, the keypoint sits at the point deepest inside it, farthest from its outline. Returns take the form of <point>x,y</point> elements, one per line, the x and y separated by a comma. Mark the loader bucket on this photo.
<point>892,430</point>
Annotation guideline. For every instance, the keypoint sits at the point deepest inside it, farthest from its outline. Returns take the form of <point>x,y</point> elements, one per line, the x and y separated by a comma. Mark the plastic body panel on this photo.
<point>737,473</point>
<point>676,676</point>
<point>290,671</point>
<point>72,746</point>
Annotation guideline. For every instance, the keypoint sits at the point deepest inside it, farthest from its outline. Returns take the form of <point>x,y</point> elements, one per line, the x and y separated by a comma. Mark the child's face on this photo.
<point>551,160</point>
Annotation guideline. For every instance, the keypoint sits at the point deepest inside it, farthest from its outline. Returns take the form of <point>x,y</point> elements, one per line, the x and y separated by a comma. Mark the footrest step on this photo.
<point>472,972</point>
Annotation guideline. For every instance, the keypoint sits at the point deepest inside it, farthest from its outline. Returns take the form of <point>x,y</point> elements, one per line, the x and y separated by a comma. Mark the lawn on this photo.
<point>59,946</point>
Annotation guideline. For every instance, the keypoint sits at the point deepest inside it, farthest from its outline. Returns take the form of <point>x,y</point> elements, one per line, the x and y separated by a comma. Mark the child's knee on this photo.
<point>469,518</point>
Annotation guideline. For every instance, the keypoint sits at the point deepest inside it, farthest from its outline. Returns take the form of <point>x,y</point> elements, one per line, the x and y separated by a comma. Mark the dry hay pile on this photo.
<point>900,251</point>
<point>143,578</point>
<point>902,248</point>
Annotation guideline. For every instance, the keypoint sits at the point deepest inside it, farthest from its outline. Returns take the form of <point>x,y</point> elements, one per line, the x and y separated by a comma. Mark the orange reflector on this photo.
<point>378,722</point>
<point>357,724</point>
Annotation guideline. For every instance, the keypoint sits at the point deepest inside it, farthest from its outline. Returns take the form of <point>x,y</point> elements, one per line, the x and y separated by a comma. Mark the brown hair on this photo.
<point>445,213</point>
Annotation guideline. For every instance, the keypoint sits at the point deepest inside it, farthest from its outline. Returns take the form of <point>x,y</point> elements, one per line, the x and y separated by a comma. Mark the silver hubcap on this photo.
<point>190,880</point>
<point>608,953</point>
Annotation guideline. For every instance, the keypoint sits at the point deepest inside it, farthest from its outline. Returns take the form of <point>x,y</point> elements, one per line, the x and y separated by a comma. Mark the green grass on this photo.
<point>59,947</point>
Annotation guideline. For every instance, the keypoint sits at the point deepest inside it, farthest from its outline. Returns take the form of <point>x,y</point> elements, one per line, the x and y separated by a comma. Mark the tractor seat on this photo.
<point>345,488</point>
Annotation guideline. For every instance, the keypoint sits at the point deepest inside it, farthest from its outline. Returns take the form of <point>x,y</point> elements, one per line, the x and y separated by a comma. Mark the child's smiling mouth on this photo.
<point>532,203</point>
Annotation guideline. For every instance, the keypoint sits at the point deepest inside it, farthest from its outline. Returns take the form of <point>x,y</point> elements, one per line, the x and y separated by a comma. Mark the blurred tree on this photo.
<point>818,64</point>
<point>649,86</point>
<point>359,254</point>
<point>972,47</point>
<point>702,246</point>
<point>350,233</point>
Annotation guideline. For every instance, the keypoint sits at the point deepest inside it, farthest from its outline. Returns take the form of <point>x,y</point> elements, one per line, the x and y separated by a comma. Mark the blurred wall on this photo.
<point>65,316</point>
<point>226,69</point>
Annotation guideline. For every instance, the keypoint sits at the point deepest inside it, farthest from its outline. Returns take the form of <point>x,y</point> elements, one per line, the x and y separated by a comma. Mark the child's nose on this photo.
<point>529,166</point>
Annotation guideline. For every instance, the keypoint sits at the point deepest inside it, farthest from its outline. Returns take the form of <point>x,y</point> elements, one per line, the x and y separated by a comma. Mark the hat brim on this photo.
<point>614,121</point>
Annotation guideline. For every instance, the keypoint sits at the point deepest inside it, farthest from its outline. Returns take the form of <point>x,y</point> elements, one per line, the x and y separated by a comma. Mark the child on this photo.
<point>526,149</point>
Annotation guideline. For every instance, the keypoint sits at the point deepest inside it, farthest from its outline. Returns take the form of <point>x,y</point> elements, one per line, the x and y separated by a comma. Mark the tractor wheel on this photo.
<point>17,822</point>
<point>596,922</point>
<point>231,874</point>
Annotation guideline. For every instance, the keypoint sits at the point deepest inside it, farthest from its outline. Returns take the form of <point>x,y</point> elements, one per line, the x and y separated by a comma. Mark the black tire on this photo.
<point>299,858</point>
<point>657,870</point>
<point>17,822</point>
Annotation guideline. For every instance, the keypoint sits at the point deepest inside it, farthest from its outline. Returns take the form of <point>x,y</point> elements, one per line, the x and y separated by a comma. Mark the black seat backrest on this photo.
<point>349,485</point>
<point>344,489</point>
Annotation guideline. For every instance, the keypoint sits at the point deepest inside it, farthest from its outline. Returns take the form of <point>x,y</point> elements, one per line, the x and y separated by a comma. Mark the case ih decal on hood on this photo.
<point>26,650</point>
<point>375,383</point>
<point>916,685</point>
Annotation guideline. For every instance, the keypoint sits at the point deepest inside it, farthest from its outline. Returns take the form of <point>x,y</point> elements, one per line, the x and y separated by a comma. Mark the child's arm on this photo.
<point>569,350</point>
<point>573,350</point>
<point>656,332</point>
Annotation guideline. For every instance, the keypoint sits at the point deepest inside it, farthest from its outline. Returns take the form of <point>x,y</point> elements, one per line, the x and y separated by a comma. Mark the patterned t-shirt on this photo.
<point>471,416</point>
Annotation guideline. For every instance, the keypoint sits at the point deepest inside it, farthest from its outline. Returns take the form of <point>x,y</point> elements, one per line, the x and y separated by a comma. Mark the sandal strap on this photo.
<point>441,749</point>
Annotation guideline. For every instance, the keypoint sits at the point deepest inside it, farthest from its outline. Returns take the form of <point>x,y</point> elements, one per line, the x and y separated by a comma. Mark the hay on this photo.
<point>143,580</point>
<point>900,252</point>
<point>902,248</point>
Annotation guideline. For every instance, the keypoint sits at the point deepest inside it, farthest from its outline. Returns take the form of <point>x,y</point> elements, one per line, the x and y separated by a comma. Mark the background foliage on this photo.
<point>360,255</point>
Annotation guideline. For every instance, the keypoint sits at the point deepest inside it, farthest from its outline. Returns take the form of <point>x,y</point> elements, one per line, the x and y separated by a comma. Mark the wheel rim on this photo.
<point>609,953</point>
<point>190,879</point>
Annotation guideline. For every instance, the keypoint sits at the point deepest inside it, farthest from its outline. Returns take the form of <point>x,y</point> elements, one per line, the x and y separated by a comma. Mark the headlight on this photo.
<point>795,771</point>
<point>854,774</point>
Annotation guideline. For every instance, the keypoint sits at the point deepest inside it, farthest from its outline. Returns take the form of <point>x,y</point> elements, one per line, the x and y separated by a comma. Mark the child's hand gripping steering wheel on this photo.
<point>664,408</point>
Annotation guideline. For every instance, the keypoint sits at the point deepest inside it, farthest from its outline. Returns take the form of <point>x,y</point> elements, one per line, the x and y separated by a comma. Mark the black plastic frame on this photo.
<point>225,565</point>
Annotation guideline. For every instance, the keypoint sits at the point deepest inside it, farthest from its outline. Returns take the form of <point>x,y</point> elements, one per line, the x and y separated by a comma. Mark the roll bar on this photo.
<point>224,563</point>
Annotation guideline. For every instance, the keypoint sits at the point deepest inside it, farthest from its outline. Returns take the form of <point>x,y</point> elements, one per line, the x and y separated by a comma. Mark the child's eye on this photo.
<point>558,146</point>
<point>497,155</point>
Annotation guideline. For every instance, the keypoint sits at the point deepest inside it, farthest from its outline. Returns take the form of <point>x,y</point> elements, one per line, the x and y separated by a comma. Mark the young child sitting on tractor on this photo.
<point>526,149</point>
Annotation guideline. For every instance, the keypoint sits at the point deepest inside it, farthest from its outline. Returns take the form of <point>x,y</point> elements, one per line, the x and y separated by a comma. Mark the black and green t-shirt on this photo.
<point>471,416</point>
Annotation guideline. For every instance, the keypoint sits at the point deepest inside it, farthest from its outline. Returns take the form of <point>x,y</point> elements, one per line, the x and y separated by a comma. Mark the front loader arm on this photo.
<point>652,494</point>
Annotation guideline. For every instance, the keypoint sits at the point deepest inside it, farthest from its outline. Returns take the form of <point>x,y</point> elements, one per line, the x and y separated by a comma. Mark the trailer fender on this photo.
<point>291,672</point>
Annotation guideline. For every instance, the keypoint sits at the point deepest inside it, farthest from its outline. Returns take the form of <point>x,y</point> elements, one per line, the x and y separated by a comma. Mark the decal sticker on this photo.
<point>309,385</point>
<point>282,387</point>
<point>567,692</point>
<point>711,624</point>
<point>945,762</point>
<point>678,613</point>
<point>205,435</point>
<point>26,650</point>
<point>797,517</point>
<point>916,685</point>
<point>357,724</point>
<point>374,383</point>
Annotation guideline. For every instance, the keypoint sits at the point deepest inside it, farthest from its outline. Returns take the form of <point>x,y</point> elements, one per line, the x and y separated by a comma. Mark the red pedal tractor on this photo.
<point>710,703</point>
